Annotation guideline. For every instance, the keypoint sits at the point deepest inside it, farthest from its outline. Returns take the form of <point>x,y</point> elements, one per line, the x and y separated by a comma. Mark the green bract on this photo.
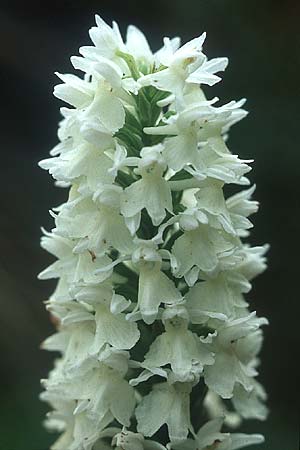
<point>152,325</point>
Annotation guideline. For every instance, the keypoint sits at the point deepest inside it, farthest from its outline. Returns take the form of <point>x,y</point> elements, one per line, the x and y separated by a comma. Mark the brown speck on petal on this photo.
<point>92,255</point>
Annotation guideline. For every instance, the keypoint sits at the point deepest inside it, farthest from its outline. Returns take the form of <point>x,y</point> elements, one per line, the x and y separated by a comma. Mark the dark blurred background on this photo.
<point>261,39</point>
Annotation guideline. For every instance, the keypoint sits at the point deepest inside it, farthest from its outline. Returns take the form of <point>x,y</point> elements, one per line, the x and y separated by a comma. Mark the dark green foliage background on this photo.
<point>261,39</point>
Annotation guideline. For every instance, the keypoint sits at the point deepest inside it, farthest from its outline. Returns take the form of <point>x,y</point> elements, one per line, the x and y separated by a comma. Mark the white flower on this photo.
<point>107,40</point>
<point>99,67</point>
<point>166,52</point>
<point>100,390</point>
<point>233,348</point>
<point>85,162</point>
<point>215,408</point>
<point>75,91</point>
<point>241,206</point>
<point>104,116</point>
<point>254,261</point>
<point>75,342</point>
<point>210,437</point>
<point>177,67</point>
<point>137,46</point>
<point>152,190</point>
<point>185,65</point>
<point>250,404</point>
<point>239,440</point>
<point>206,72</point>
<point>166,404</point>
<point>150,260</point>
<point>111,326</point>
<point>199,248</point>
<point>183,350</point>
<point>134,441</point>
<point>154,285</point>
<point>88,267</point>
<point>196,123</point>
<point>212,299</point>
<point>216,162</point>
<point>61,420</point>
<point>98,226</point>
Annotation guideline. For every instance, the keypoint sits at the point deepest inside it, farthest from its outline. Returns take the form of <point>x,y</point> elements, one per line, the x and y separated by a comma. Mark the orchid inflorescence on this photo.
<point>158,346</point>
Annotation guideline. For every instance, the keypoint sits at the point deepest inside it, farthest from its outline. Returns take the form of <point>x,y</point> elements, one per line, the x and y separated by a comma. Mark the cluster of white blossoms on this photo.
<point>158,347</point>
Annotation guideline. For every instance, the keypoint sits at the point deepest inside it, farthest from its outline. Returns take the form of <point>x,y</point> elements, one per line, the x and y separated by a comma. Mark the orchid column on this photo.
<point>153,330</point>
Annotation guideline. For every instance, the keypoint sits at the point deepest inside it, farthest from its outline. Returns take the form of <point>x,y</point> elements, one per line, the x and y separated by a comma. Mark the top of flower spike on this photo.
<point>172,65</point>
